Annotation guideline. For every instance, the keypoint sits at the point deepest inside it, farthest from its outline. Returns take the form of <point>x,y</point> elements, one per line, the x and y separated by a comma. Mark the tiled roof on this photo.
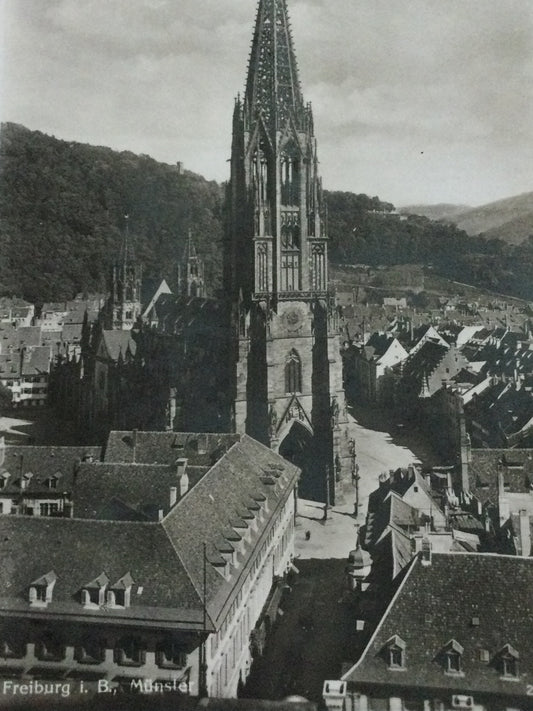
<point>393,511</point>
<point>196,314</point>
<point>118,342</point>
<point>42,463</point>
<point>424,361</point>
<point>516,466</point>
<point>172,583</point>
<point>380,343</point>
<point>78,551</point>
<point>126,491</point>
<point>483,601</point>
<point>220,495</point>
<point>165,447</point>
<point>502,410</point>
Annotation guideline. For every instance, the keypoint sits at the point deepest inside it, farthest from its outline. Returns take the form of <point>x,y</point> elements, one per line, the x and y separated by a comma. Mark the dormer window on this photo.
<point>452,658</point>
<point>25,481</point>
<point>41,590</point>
<point>508,661</point>
<point>395,653</point>
<point>3,480</point>
<point>52,482</point>
<point>119,594</point>
<point>93,594</point>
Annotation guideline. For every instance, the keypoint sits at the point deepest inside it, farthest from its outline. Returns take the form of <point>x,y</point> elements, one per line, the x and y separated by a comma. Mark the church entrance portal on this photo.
<point>298,447</point>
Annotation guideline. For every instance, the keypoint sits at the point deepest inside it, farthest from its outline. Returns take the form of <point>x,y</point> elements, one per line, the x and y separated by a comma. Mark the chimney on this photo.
<point>183,478</point>
<point>160,513</point>
<point>525,534</point>
<point>173,495</point>
<point>384,481</point>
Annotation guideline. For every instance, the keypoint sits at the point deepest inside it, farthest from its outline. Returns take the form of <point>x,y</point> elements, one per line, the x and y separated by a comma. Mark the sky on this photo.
<point>416,101</point>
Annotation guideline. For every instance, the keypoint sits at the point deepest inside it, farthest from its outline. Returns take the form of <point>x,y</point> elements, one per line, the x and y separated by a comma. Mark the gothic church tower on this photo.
<point>126,278</point>
<point>288,376</point>
<point>191,280</point>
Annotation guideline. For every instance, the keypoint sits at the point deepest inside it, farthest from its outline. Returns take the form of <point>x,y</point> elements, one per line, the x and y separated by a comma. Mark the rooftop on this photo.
<point>482,602</point>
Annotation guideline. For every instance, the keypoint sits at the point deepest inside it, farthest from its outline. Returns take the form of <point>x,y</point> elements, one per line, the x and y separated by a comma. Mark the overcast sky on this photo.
<point>414,100</point>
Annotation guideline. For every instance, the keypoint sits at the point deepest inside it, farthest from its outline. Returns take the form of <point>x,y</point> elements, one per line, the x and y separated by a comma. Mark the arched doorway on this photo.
<point>298,447</point>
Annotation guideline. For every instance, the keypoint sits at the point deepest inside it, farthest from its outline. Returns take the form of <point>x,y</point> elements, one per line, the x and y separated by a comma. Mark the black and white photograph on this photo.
<point>266,355</point>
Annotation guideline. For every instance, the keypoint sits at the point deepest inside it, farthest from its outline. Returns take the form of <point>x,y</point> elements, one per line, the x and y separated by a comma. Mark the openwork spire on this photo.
<point>272,88</point>
<point>126,254</point>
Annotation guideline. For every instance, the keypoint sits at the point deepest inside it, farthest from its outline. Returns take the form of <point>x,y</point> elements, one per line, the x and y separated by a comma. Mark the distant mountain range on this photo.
<point>510,219</point>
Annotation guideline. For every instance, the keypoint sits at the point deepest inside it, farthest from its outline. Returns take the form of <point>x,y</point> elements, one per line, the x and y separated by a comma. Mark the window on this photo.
<point>91,651</point>
<point>508,658</point>
<point>395,653</point>
<point>93,594</point>
<point>290,272</point>
<point>293,373</point>
<point>169,655</point>
<point>318,268</point>
<point>49,509</point>
<point>395,657</point>
<point>451,658</point>
<point>40,593</point>
<point>262,267</point>
<point>50,648</point>
<point>119,594</point>
<point>453,663</point>
<point>3,481</point>
<point>130,652</point>
<point>12,648</point>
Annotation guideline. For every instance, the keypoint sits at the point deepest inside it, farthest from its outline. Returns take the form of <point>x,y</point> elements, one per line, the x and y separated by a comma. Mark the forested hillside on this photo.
<point>62,208</point>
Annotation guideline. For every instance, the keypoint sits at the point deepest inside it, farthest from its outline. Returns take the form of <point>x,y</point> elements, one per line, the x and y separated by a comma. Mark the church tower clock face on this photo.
<point>294,320</point>
<point>286,351</point>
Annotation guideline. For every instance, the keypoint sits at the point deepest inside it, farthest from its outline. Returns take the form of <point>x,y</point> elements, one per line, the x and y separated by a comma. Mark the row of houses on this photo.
<point>31,345</point>
<point>441,578</point>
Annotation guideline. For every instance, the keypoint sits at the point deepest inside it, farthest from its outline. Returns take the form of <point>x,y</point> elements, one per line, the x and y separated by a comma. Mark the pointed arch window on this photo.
<point>262,267</point>
<point>293,373</point>
<point>318,267</point>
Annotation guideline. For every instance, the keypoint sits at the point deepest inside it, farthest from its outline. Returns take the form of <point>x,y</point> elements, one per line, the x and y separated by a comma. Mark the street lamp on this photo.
<point>355,474</point>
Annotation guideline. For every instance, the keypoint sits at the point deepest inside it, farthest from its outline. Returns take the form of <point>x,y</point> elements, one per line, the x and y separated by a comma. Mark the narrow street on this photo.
<point>316,633</point>
<point>380,445</point>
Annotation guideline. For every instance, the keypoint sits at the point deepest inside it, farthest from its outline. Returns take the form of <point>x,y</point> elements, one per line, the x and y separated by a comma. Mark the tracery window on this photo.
<point>293,373</point>
<point>318,267</point>
<point>262,267</point>
<point>290,268</point>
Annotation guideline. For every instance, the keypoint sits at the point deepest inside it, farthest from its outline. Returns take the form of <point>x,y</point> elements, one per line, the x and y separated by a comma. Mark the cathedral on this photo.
<point>265,359</point>
<point>286,367</point>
